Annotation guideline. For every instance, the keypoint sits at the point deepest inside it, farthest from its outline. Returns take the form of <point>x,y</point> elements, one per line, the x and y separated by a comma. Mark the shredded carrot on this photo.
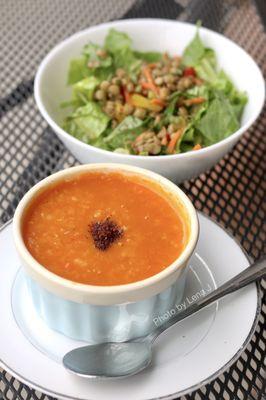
<point>174,139</point>
<point>126,95</point>
<point>160,102</point>
<point>197,147</point>
<point>147,85</point>
<point>152,65</point>
<point>195,100</point>
<point>148,76</point>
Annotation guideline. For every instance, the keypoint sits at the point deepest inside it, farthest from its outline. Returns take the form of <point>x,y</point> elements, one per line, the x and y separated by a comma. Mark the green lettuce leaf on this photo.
<point>116,41</point>
<point>77,70</point>
<point>121,150</point>
<point>125,133</point>
<point>201,58</point>
<point>70,103</point>
<point>194,52</point>
<point>104,74</point>
<point>84,89</point>
<point>238,102</point>
<point>197,111</point>
<point>206,66</point>
<point>222,83</point>
<point>169,116</point>
<point>125,59</point>
<point>101,143</point>
<point>90,51</point>
<point>104,65</point>
<point>148,56</point>
<point>87,123</point>
<point>204,61</point>
<point>198,91</point>
<point>219,120</point>
<point>237,99</point>
<point>190,138</point>
<point>170,109</point>
<point>188,135</point>
<point>120,46</point>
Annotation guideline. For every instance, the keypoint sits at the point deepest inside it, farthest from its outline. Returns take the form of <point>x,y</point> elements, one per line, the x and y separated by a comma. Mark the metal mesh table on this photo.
<point>233,192</point>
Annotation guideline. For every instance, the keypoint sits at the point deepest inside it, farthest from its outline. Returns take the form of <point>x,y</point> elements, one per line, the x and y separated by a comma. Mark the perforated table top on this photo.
<point>233,192</point>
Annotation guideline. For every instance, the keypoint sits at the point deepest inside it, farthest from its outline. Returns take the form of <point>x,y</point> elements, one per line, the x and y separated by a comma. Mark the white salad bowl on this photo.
<point>149,35</point>
<point>105,313</point>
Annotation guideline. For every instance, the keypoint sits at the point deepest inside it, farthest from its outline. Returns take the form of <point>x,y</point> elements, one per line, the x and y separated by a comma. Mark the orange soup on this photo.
<point>105,228</point>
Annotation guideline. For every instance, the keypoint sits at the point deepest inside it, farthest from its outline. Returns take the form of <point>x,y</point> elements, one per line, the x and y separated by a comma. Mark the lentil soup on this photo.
<point>105,228</point>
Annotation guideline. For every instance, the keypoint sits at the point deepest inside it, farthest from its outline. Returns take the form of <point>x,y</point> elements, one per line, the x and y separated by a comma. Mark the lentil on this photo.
<point>130,87</point>
<point>185,83</point>
<point>140,113</point>
<point>104,85</point>
<point>114,90</point>
<point>147,142</point>
<point>100,95</point>
<point>158,81</point>
<point>128,109</point>
<point>164,93</point>
<point>101,53</point>
<point>120,72</point>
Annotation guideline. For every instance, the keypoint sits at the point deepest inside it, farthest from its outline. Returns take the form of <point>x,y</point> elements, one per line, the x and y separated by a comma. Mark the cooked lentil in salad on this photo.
<point>149,103</point>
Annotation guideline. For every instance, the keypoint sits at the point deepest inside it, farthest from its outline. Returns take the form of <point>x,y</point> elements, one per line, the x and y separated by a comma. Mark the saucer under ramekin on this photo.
<point>191,354</point>
<point>199,279</point>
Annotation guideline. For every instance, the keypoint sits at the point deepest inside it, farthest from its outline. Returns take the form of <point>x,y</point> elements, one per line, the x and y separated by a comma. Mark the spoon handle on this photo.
<point>251,274</point>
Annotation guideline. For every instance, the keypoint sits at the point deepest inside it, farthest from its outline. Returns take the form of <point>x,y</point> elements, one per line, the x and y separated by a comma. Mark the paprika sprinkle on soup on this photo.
<point>105,228</point>
<point>104,233</point>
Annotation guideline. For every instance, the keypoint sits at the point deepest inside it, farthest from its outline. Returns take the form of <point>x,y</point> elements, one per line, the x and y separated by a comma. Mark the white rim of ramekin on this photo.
<point>102,295</point>
<point>125,157</point>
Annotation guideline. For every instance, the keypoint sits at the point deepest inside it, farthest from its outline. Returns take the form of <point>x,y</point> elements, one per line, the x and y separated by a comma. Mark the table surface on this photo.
<point>232,193</point>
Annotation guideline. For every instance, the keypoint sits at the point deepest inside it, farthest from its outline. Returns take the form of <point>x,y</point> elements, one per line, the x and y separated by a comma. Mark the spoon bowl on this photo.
<point>109,360</point>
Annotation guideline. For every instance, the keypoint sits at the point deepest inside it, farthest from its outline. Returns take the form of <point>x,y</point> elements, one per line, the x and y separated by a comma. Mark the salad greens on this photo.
<point>148,103</point>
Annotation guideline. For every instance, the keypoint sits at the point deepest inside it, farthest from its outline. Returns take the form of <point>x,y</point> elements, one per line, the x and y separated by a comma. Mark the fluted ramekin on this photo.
<point>102,313</point>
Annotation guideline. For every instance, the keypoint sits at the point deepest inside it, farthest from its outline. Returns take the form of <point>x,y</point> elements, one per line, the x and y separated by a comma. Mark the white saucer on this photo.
<point>55,345</point>
<point>186,357</point>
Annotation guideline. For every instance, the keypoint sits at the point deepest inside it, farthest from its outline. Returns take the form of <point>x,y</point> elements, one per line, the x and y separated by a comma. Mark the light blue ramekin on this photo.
<point>98,324</point>
<point>106,313</point>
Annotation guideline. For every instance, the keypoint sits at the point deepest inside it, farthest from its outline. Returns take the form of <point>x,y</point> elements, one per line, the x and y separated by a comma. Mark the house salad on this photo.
<point>149,103</point>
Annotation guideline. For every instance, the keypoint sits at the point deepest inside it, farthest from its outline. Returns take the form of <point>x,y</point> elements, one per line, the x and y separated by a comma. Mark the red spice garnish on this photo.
<point>189,71</point>
<point>105,233</point>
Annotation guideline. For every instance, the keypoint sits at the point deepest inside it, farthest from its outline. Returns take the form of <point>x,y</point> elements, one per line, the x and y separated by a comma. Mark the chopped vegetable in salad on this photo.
<point>149,103</point>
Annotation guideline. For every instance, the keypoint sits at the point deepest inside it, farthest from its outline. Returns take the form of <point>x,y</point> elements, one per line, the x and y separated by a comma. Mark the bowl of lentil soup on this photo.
<point>174,102</point>
<point>104,248</point>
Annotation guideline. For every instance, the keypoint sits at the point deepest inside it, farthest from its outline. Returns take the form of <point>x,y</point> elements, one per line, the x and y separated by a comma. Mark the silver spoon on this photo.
<point>118,360</point>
